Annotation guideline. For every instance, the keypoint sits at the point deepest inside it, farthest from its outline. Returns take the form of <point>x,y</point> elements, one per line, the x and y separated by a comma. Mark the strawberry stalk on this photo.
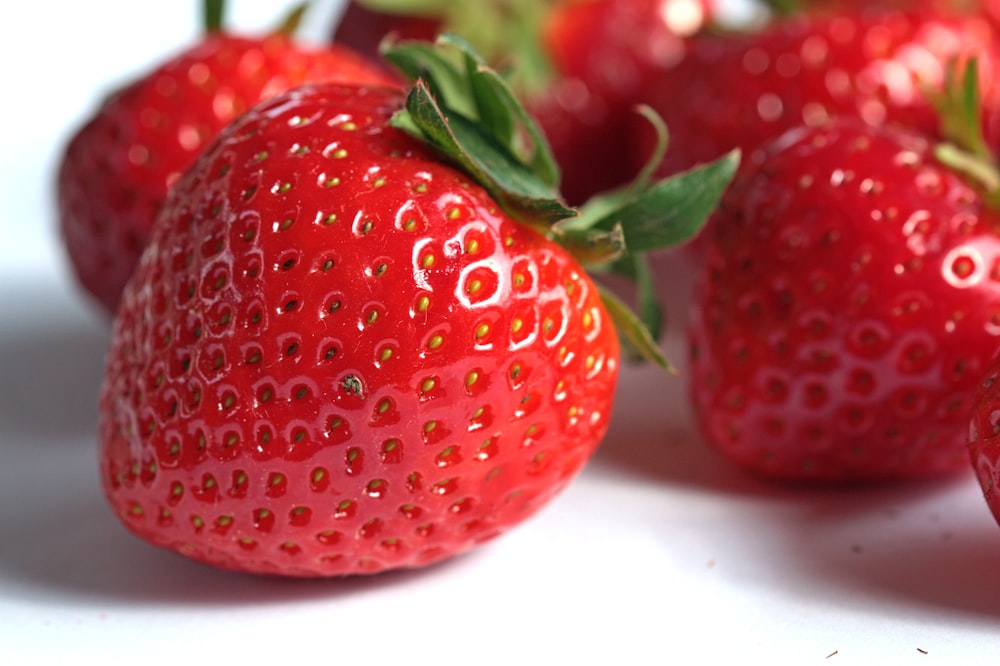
<point>214,13</point>
<point>469,114</point>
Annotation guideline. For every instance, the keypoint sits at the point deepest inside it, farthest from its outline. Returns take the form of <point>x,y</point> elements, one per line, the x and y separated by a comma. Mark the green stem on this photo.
<point>212,16</point>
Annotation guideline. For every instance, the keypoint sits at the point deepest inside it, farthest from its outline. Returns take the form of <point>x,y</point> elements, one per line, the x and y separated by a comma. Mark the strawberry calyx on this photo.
<point>498,28</point>
<point>469,113</point>
<point>965,150</point>
<point>654,214</point>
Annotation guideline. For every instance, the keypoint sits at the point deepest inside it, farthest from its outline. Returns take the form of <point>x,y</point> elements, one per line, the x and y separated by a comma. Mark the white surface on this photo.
<point>659,553</point>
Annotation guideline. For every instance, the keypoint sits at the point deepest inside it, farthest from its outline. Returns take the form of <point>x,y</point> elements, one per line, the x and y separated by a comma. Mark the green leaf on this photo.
<point>593,247</point>
<point>499,108</point>
<point>440,72</point>
<point>649,304</point>
<point>668,212</point>
<point>634,335</point>
<point>465,142</point>
<point>432,8</point>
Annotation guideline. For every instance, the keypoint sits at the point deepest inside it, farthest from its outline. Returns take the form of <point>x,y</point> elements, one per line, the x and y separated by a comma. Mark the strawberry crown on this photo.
<point>965,149</point>
<point>497,28</point>
<point>468,112</point>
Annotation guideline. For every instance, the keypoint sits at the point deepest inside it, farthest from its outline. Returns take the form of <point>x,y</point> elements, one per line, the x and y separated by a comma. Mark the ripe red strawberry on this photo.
<point>580,66</point>
<point>117,168</point>
<point>848,304</point>
<point>340,354</point>
<point>743,90</point>
<point>984,443</point>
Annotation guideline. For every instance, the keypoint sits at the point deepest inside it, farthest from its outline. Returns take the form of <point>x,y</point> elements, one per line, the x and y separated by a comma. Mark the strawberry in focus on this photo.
<point>847,305</point>
<point>340,354</point>
<point>117,168</point>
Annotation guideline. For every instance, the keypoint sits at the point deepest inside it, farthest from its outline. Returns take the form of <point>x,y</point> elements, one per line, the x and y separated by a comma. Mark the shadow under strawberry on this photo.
<point>53,363</point>
<point>78,554</point>
<point>919,550</point>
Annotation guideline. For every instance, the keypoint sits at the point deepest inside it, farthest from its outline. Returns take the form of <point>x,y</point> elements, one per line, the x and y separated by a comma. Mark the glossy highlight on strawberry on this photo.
<point>339,356</point>
<point>848,305</point>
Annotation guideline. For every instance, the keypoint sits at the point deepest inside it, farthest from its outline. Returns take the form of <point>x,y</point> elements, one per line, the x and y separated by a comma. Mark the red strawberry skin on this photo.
<point>984,437</point>
<point>117,168</point>
<point>848,302</point>
<point>743,90</point>
<point>338,356</point>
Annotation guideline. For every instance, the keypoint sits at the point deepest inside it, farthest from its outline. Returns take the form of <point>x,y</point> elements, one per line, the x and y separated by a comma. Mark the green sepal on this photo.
<point>469,114</point>
<point>959,107</point>
<point>668,212</point>
<point>503,113</point>
<point>595,247</point>
<point>635,337</point>
<point>965,150</point>
<point>654,215</point>
<point>650,309</point>
<point>293,19</point>
<point>422,8</point>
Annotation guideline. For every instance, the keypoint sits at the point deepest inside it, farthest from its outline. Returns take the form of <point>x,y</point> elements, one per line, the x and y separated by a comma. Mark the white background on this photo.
<point>659,553</point>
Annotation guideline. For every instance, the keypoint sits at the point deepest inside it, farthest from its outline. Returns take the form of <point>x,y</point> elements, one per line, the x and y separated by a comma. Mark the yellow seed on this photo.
<point>471,378</point>
<point>423,303</point>
<point>472,246</point>
<point>482,331</point>
<point>427,261</point>
<point>516,325</point>
<point>435,342</point>
<point>428,385</point>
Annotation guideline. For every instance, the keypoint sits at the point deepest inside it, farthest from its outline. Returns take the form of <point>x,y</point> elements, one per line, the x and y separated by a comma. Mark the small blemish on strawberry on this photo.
<point>352,385</point>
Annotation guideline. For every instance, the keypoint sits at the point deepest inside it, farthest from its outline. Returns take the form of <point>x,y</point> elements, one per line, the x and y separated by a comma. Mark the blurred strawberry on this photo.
<point>740,90</point>
<point>117,168</point>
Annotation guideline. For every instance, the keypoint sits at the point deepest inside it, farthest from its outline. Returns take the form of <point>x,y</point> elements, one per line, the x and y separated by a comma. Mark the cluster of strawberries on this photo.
<point>352,328</point>
<point>352,324</point>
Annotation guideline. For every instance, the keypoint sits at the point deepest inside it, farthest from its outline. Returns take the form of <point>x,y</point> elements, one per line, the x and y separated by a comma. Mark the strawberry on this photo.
<point>117,168</point>
<point>353,343</point>
<point>580,66</point>
<point>870,62</point>
<point>848,303</point>
<point>984,443</point>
